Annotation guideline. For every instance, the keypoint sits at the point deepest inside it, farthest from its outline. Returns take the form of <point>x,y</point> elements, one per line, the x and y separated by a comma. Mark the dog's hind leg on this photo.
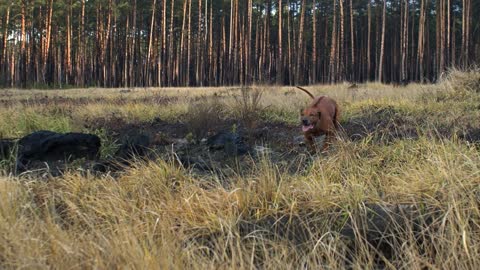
<point>335,117</point>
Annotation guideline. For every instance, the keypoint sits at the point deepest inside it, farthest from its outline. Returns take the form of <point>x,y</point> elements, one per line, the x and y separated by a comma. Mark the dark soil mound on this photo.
<point>50,146</point>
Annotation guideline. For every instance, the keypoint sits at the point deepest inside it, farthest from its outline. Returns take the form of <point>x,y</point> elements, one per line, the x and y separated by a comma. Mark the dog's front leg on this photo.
<point>310,141</point>
<point>329,137</point>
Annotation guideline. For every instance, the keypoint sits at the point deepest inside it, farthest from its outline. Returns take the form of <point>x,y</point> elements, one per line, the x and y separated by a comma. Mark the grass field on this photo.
<point>400,188</point>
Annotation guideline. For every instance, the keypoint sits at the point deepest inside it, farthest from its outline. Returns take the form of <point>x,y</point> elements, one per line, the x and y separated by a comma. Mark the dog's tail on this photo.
<point>306,91</point>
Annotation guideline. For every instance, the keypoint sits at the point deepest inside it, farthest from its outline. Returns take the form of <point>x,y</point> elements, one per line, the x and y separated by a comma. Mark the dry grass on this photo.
<point>204,115</point>
<point>160,215</point>
<point>463,81</point>
<point>247,106</point>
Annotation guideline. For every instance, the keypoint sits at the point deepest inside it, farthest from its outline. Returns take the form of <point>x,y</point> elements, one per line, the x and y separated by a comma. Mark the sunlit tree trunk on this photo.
<point>47,40</point>
<point>189,43</point>
<point>199,47</point>
<point>313,74</point>
<point>404,41</point>
<point>299,69</point>
<point>171,53</point>
<point>341,43</point>
<point>181,73</point>
<point>5,38</point>
<point>23,55</point>
<point>150,43</point>
<point>421,40</point>
<point>382,45</point>
<point>280,41</point>
<point>69,44</point>
<point>132,46</point>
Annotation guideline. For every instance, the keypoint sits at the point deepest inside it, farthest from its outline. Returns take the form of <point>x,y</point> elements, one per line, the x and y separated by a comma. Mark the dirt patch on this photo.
<point>277,135</point>
<point>117,127</point>
<point>169,140</point>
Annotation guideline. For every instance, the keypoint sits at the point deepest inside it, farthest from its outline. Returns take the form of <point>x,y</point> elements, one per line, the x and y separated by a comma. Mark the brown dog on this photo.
<point>320,118</point>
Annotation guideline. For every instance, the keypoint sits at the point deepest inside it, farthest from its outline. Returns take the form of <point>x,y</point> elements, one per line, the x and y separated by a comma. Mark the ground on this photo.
<point>398,189</point>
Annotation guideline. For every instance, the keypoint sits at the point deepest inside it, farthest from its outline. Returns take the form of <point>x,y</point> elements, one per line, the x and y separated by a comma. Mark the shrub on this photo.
<point>204,115</point>
<point>247,106</point>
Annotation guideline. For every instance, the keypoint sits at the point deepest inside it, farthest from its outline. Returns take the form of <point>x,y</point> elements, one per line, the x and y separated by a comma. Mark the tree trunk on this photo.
<point>189,42</point>
<point>69,43</point>
<point>289,32</point>
<point>352,38</point>
<point>453,54</point>
<point>212,65</point>
<point>170,65</point>
<point>230,42</point>
<point>133,46</point>
<point>5,37</point>
<point>447,49</point>
<point>180,71</point>
<point>332,69</point>
<point>199,47</point>
<point>280,42</point>
<point>47,39</point>
<point>466,33</point>
<point>421,40</point>
<point>341,44</point>
<point>313,76</point>
<point>404,41</point>
<point>382,45</point>
<point>162,61</point>
<point>150,42</point>
<point>369,38</point>
<point>299,69</point>
<point>23,56</point>
<point>81,49</point>
<point>105,45</point>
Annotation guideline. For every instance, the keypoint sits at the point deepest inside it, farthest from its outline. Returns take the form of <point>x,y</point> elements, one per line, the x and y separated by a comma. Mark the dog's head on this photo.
<point>309,118</point>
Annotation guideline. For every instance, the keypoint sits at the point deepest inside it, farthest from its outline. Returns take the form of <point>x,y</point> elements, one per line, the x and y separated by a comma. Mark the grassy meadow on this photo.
<point>399,189</point>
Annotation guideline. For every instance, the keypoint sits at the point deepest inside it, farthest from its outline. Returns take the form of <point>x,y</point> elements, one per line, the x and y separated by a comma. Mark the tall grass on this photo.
<point>19,122</point>
<point>158,215</point>
<point>398,204</point>
<point>247,106</point>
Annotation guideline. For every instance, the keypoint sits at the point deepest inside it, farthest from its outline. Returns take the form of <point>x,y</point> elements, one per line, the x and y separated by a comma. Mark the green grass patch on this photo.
<point>17,123</point>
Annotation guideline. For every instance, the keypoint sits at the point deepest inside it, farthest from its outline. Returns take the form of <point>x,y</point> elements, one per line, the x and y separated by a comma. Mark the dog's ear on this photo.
<point>319,114</point>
